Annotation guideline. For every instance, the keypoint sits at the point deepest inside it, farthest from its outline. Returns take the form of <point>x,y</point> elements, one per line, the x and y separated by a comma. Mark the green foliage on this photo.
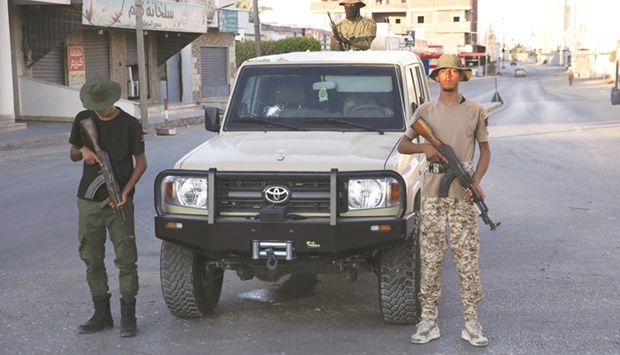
<point>612,56</point>
<point>247,49</point>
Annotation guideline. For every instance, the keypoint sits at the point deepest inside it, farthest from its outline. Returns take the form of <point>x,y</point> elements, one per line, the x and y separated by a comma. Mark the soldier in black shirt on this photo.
<point>121,136</point>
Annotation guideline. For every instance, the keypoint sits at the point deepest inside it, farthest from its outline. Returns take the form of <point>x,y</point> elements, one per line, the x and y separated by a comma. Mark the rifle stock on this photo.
<point>455,170</point>
<point>112,185</point>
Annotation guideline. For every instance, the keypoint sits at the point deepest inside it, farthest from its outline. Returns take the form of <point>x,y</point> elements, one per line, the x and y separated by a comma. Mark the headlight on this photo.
<point>373,193</point>
<point>185,191</point>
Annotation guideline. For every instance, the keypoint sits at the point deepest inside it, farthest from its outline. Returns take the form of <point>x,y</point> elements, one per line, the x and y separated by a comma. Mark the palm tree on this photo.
<point>249,4</point>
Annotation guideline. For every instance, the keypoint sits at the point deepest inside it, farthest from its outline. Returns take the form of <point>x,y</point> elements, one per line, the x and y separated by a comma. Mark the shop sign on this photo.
<point>228,21</point>
<point>157,15</point>
<point>76,68</point>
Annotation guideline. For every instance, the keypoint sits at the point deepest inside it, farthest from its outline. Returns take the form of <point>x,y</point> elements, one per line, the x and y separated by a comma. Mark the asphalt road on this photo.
<point>549,272</point>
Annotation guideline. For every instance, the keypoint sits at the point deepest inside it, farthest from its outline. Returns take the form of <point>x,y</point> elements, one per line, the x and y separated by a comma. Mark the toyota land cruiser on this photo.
<point>302,178</point>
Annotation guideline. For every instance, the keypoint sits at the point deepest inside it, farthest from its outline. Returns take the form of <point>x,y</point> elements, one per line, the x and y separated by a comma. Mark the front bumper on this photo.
<point>234,238</point>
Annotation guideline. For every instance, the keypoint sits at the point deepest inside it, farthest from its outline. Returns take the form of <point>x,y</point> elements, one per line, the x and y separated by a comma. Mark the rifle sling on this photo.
<point>94,186</point>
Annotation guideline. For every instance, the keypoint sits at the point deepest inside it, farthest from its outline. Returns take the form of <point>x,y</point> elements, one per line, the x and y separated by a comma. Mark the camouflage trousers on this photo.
<point>460,216</point>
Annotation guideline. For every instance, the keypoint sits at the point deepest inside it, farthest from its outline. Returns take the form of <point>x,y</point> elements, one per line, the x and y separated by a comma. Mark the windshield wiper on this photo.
<point>263,122</point>
<point>335,122</point>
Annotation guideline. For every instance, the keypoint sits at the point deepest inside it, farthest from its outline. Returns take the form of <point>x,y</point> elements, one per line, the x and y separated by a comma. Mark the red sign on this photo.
<point>75,63</point>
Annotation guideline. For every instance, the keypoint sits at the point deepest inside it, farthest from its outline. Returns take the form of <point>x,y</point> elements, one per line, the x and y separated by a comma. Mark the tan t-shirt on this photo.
<point>457,126</point>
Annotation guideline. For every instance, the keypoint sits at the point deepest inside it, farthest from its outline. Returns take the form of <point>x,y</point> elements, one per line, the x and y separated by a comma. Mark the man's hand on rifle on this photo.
<point>470,196</point>
<point>341,39</point>
<point>89,156</point>
<point>123,201</point>
<point>433,155</point>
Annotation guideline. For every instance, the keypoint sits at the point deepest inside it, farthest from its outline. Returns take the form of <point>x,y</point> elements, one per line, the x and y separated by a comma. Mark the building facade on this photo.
<point>57,44</point>
<point>449,23</point>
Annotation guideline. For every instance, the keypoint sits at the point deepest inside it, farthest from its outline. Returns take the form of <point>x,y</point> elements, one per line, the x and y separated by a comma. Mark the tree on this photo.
<point>249,4</point>
<point>244,50</point>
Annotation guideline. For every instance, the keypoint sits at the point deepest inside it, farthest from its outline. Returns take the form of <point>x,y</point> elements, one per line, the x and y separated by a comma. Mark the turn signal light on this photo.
<point>381,228</point>
<point>174,225</point>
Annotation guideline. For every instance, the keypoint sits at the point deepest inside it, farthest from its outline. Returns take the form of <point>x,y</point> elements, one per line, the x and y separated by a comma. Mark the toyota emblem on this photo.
<point>277,194</point>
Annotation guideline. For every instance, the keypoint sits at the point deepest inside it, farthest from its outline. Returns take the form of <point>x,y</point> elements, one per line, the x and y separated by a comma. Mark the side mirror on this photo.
<point>212,119</point>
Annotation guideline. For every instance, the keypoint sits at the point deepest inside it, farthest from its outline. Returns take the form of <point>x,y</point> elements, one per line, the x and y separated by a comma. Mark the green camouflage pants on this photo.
<point>92,226</point>
<point>437,213</point>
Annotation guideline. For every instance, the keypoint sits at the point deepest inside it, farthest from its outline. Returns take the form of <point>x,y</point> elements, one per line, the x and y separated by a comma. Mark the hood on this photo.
<point>293,151</point>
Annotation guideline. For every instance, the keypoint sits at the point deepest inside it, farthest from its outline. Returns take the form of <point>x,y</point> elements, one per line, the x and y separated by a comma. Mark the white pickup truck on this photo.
<point>302,178</point>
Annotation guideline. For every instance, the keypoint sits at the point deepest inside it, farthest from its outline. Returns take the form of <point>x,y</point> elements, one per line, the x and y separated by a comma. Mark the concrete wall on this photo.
<point>42,101</point>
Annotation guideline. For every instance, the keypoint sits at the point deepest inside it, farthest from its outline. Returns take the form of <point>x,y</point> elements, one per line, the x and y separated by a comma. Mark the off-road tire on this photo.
<point>191,287</point>
<point>399,274</point>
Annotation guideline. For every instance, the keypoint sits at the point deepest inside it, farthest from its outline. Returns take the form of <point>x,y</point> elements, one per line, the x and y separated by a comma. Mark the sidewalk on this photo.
<point>43,133</point>
<point>555,82</point>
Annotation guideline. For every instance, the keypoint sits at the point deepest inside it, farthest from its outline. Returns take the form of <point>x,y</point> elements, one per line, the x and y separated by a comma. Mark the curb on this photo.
<point>33,142</point>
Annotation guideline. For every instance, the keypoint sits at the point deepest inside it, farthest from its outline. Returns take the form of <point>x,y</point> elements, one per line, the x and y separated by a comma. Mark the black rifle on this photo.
<point>455,170</point>
<point>114,189</point>
<point>337,35</point>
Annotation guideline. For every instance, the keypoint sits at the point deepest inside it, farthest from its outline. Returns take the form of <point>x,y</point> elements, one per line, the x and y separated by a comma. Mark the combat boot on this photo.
<point>102,319</point>
<point>128,317</point>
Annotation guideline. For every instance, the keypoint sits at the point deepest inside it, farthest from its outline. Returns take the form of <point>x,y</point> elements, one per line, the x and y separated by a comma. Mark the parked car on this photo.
<point>298,182</point>
<point>520,72</point>
<point>514,62</point>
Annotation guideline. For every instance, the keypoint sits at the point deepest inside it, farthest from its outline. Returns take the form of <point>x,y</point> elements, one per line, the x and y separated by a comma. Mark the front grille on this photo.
<point>245,194</point>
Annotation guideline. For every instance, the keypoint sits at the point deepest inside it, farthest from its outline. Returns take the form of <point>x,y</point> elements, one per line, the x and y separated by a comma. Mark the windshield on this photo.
<point>314,97</point>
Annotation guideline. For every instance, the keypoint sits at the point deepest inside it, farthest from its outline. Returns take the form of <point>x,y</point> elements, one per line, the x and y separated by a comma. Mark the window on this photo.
<point>302,97</point>
<point>456,19</point>
<point>420,19</point>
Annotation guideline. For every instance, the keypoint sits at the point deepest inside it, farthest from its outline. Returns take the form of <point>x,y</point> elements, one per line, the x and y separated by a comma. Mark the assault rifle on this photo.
<point>114,189</point>
<point>455,170</point>
<point>339,38</point>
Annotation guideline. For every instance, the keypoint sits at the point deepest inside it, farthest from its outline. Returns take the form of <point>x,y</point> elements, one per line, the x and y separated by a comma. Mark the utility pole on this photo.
<point>256,28</point>
<point>144,112</point>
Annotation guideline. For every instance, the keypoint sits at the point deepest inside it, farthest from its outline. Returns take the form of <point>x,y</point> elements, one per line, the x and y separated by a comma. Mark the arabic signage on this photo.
<point>75,63</point>
<point>228,21</point>
<point>158,15</point>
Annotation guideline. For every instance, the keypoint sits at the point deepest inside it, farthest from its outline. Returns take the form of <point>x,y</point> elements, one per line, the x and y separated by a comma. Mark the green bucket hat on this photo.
<point>450,61</point>
<point>99,92</point>
<point>361,3</point>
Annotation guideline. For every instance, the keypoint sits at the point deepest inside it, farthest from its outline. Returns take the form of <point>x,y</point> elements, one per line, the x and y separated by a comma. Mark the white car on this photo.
<point>302,178</point>
<point>520,72</point>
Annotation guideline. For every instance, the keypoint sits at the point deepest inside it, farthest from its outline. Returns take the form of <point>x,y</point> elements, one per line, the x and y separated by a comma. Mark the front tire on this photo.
<point>190,285</point>
<point>399,275</point>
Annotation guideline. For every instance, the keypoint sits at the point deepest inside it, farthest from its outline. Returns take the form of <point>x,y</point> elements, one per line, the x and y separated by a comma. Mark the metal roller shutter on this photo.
<point>51,67</point>
<point>213,64</point>
<point>131,48</point>
<point>96,53</point>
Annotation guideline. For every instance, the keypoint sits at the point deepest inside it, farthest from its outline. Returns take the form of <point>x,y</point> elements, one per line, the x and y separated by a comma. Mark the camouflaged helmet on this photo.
<point>360,2</point>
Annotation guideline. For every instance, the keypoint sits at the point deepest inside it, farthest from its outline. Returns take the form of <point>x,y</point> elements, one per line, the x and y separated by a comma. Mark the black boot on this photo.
<point>102,319</point>
<point>128,317</point>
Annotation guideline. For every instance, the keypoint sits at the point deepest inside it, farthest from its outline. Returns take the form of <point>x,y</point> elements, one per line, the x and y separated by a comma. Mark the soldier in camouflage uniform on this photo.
<point>355,32</point>
<point>459,123</point>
